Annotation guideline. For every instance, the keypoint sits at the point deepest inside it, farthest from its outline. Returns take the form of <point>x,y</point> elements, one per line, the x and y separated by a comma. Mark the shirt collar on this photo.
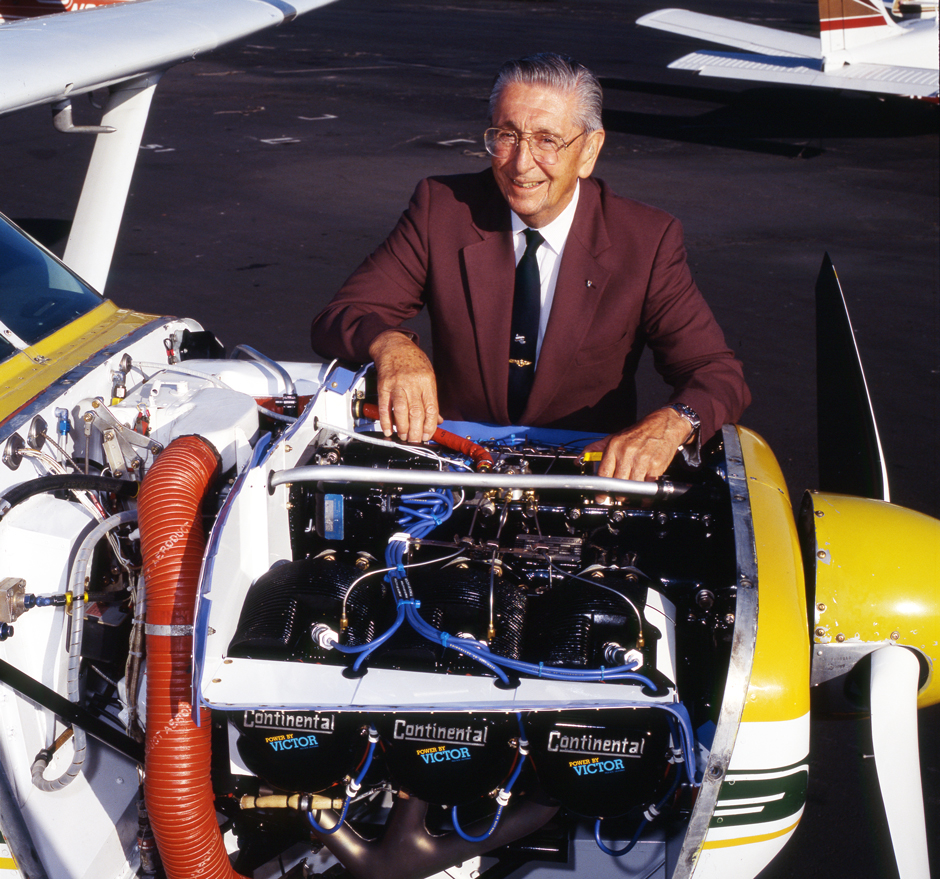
<point>556,232</point>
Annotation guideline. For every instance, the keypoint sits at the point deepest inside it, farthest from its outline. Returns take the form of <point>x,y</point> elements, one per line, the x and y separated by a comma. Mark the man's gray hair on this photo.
<point>557,72</point>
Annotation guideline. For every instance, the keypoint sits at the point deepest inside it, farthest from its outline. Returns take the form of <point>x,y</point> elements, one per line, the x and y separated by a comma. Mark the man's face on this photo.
<point>538,192</point>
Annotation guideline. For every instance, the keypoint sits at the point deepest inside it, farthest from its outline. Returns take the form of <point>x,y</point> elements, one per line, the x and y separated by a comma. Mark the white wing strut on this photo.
<point>98,215</point>
<point>894,676</point>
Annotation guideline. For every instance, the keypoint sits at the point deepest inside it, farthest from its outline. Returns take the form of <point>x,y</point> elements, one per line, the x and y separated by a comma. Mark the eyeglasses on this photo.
<point>503,142</point>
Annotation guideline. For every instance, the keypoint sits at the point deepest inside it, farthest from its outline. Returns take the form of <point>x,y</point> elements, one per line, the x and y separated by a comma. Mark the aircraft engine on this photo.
<point>520,583</point>
<point>595,763</point>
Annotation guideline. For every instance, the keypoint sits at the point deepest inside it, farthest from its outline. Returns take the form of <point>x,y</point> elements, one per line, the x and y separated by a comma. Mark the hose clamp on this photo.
<point>168,631</point>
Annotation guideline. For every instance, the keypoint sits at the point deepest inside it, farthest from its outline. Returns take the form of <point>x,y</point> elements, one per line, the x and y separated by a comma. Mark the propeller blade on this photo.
<point>851,460</point>
<point>895,672</point>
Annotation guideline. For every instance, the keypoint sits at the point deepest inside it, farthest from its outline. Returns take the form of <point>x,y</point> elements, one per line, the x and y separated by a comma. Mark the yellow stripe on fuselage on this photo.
<point>748,840</point>
<point>30,372</point>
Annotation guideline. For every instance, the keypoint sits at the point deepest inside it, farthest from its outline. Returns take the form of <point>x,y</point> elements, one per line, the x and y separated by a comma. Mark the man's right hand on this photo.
<point>407,388</point>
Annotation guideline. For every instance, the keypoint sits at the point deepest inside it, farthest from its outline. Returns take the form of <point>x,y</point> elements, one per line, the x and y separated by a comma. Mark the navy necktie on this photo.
<point>526,306</point>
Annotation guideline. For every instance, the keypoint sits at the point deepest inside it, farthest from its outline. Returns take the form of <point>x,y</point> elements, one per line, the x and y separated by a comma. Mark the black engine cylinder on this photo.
<point>457,599</point>
<point>285,601</point>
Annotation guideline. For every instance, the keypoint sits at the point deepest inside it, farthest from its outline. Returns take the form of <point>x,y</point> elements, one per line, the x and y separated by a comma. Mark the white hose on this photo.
<point>77,586</point>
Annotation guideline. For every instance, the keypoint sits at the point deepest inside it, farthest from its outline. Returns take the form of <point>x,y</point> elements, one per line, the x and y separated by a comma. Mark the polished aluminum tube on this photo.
<point>450,478</point>
<point>246,352</point>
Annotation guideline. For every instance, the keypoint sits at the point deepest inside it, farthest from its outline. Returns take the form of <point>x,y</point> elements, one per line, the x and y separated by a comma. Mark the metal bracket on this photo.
<point>70,712</point>
<point>835,660</point>
<point>62,121</point>
<point>120,441</point>
<point>12,590</point>
<point>174,631</point>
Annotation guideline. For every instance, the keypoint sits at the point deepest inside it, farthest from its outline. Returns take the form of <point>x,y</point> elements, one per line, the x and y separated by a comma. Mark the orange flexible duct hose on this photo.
<point>480,456</point>
<point>177,786</point>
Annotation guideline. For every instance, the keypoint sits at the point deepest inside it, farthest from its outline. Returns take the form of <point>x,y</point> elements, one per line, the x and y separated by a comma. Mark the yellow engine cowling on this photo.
<point>873,577</point>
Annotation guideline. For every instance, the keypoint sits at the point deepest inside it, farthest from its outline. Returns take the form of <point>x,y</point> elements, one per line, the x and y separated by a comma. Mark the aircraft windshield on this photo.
<point>38,294</point>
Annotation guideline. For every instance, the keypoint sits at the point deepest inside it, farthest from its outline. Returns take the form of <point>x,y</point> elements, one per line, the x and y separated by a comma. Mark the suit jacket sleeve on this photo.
<point>689,348</point>
<point>387,289</point>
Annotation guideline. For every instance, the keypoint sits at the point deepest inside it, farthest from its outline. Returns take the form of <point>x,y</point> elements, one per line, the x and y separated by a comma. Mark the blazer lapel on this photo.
<point>490,271</point>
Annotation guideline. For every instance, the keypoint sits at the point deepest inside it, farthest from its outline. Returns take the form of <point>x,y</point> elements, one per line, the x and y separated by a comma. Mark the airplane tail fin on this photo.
<point>847,24</point>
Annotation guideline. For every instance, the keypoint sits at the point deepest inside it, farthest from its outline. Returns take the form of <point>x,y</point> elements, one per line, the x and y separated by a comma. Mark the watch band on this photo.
<point>690,415</point>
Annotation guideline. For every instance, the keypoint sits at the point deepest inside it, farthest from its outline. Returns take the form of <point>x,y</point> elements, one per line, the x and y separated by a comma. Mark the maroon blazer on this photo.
<point>623,283</point>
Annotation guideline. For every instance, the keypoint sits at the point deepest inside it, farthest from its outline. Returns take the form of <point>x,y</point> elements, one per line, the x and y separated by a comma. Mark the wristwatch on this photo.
<point>690,415</point>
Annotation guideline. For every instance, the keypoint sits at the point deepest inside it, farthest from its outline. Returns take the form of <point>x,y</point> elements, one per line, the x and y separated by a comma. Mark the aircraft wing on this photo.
<point>879,78</point>
<point>739,34</point>
<point>43,60</point>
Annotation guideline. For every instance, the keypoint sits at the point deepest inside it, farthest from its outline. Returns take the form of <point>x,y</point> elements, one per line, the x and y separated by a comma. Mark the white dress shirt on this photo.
<point>548,256</point>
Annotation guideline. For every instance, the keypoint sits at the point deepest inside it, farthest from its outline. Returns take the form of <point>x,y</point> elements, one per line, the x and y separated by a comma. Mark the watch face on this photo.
<point>689,414</point>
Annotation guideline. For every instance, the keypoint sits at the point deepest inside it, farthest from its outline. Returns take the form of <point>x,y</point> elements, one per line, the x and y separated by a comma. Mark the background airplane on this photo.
<point>860,47</point>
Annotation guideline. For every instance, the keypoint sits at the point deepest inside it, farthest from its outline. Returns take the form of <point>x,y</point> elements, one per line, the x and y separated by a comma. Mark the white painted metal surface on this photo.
<point>235,684</point>
<point>741,35</point>
<point>876,78</point>
<point>766,750</point>
<point>50,58</point>
<point>36,541</point>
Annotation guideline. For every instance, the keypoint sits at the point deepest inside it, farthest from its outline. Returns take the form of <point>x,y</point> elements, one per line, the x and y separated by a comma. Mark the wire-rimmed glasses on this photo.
<point>503,142</point>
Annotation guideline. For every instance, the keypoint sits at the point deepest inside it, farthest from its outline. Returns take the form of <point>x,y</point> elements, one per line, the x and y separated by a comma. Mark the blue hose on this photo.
<point>620,852</point>
<point>351,789</point>
<point>495,662</point>
<point>322,830</point>
<point>502,798</point>
<point>461,645</point>
<point>419,514</point>
<point>463,833</point>
<point>651,812</point>
<point>366,650</point>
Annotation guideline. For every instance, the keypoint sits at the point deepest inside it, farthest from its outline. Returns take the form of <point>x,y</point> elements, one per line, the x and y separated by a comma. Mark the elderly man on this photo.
<point>543,288</point>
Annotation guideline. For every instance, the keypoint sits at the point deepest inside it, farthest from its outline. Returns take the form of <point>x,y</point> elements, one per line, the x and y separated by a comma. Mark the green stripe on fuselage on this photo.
<point>768,795</point>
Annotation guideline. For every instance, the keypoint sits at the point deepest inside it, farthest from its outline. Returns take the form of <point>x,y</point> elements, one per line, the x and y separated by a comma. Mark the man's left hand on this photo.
<point>643,451</point>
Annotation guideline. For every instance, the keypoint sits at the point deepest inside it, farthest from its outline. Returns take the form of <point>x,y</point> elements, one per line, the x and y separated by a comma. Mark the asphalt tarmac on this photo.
<point>271,169</point>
